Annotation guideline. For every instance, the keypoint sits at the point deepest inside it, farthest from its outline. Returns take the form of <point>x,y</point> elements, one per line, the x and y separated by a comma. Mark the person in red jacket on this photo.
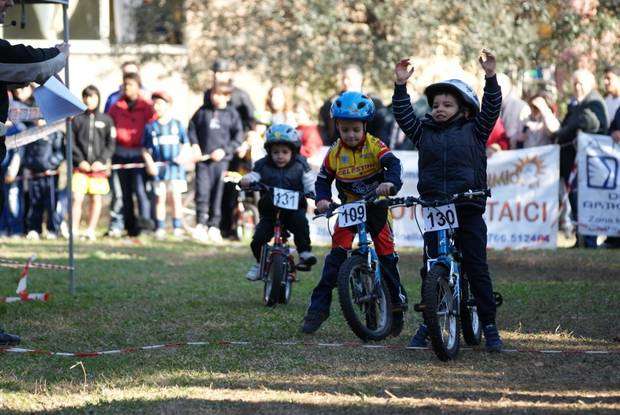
<point>130,114</point>
<point>498,140</point>
<point>308,130</point>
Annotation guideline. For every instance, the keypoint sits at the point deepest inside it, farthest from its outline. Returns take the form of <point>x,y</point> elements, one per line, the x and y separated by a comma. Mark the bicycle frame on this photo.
<point>445,256</point>
<point>365,248</point>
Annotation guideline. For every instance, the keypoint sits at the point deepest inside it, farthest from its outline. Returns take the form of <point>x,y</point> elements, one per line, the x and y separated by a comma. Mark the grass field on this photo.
<point>134,293</point>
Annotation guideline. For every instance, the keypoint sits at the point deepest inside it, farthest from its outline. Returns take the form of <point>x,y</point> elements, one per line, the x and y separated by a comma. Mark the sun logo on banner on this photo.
<point>529,170</point>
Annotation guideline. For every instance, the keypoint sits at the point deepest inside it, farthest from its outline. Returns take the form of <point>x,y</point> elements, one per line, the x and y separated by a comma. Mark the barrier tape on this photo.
<point>22,287</point>
<point>33,134</point>
<point>24,114</point>
<point>8,263</point>
<point>168,346</point>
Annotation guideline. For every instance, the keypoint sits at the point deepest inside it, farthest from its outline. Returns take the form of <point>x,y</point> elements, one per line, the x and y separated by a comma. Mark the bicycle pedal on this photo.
<point>419,307</point>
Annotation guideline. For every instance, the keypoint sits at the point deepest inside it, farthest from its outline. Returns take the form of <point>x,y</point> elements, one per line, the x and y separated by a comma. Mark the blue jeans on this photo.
<point>12,216</point>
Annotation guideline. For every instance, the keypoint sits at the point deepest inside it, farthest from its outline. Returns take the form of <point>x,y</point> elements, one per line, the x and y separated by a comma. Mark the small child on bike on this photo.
<point>451,143</point>
<point>360,163</point>
<point>283,167</point>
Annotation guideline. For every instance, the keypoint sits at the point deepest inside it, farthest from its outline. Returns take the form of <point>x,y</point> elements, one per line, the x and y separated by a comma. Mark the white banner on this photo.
<point>522,213</point>
<point>598,160</point>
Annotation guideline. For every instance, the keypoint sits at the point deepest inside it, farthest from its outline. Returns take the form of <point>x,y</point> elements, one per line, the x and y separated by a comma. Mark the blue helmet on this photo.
<point>282,134</point>
<point>353,106</point>
<point>467,96</point>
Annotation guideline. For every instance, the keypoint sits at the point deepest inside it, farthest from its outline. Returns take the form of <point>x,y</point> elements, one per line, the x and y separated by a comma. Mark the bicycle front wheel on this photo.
<point>366,308</point>
<point>440,313</point>
<point>276,275</point>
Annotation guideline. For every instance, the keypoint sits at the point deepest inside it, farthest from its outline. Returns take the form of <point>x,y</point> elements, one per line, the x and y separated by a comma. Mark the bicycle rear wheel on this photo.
<point>470,323</point>
<point>440,314</point>
<point>366,308</point>
<point>277,270</point>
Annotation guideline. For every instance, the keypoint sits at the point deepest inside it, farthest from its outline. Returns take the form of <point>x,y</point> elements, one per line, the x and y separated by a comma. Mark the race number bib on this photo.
<point>442,217</point>
<point>285,199</point>
<point>352,214</point>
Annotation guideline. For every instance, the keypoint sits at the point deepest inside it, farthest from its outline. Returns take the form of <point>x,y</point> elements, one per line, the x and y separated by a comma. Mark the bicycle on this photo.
<point>277,266</point>
<point>361,287</point>
<point>446,297</point>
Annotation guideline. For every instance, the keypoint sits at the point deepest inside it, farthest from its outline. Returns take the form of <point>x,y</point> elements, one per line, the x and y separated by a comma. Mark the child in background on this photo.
<point>451,143</point>
<point>165,142</point>
<point>12,211</point>
<point>284,168</point>
<point>42,159</point>
<point>215,132</point>
<point>94,138</point>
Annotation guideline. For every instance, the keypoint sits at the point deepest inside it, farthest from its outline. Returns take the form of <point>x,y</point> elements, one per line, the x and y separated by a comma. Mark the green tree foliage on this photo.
<point>305,42</point>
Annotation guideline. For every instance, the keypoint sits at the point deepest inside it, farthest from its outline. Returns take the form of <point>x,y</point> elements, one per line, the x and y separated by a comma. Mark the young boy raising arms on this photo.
<point>451,143</point>
<point>360,163</point>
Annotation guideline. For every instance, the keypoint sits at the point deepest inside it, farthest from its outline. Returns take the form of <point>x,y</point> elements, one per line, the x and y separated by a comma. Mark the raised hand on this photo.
<point>402,71</point>
<point>487,61</point>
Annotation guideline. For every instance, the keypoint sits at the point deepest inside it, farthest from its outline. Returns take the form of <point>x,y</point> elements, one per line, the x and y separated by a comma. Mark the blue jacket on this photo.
<point>45,154</point>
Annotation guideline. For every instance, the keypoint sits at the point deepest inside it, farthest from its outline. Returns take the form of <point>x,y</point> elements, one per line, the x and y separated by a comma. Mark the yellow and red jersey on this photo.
<point>358,170</point>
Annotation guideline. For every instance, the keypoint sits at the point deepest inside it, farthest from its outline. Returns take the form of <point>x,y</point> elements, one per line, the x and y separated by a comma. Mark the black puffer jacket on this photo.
<point>290,177</point>
<point>452,155</point>
<point>94,138</point>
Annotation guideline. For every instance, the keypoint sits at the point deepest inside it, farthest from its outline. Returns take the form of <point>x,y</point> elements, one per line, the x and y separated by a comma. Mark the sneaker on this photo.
<point>89,235</point>
<point>420,339</point>
<point>50,236</point>
<point>215,235</point>
<point>200,233</point>
<point>494,343</point>
<point>160,234</point>
<point>115,233</point>
<point>312,322</point>
<point>7,339</point>
<point>306,261</point>
<point>33,236</point>
<point>64,230</point>
<point>178,232</point>
<point>252,274</point>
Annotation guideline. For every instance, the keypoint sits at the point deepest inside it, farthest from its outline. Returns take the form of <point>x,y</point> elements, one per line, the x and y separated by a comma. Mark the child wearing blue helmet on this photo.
<point>451,143</point>
<point>359,163</point>
<point>283,167</point>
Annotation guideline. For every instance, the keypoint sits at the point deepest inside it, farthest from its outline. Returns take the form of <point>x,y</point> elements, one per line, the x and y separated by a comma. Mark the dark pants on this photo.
<point>116,202</point>
<point>133,182</point>
<point>229,202</point>
<point>292,220</point>
<point>209,189</point>
<point>586,241</point>
<point>471,240</point>
<point>12,217</point>
<point>43,198</point>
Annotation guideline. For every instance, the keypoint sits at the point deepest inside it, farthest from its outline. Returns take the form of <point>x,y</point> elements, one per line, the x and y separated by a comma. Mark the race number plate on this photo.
<point>352,214</point>
<point>442,217</point>
<point>285,199</point>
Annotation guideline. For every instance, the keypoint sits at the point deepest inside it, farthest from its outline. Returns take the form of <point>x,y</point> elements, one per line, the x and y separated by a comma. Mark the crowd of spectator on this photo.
<point>136,152</point>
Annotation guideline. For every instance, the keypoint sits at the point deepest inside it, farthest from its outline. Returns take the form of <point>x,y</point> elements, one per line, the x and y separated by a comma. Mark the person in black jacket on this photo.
<point>21,64</point>
<point>587,114</point>
<point>215,132</point>
<point>451,143</point>
<point>94,141</point>
<point>42,159</point>
<point>283,167</point>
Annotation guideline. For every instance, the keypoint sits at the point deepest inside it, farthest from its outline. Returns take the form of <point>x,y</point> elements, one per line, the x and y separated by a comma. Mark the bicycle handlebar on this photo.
<point>468,195</point>
<point>369,198</point>
<point>258,187</point>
